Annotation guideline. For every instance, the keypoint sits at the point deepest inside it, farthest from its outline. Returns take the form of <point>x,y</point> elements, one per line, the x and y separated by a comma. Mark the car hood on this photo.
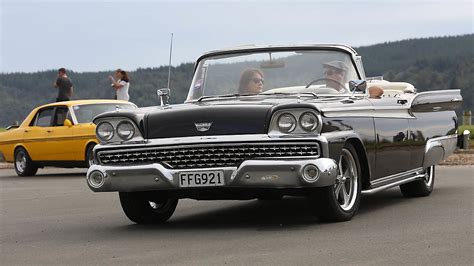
<point>246,115</point>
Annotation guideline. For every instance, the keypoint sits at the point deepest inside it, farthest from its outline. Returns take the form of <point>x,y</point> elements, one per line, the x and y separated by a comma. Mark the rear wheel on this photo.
<point>422,187</point>
<point>24,166</point>
<point>340,201</point>
<point>145,210</point>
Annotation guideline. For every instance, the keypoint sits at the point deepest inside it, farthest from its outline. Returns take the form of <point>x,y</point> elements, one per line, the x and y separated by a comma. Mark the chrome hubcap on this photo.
<point>20,162</point>
<point>156,205</point>
<point>347,185</point>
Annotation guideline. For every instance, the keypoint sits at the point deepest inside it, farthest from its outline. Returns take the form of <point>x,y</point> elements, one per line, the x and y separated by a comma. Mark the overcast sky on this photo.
<point>104,35</point>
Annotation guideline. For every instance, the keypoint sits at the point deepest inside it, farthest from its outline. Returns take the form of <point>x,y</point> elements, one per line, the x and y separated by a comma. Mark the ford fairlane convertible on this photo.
<point>58,134</point>
<point>263,122</point>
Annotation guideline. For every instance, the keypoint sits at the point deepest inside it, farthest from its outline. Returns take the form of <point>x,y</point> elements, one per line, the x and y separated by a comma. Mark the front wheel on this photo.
<point>141,209</point>
<point>422,187</point>
<point>90,155</point>
<point>340,201</point>
<point>24,166</point>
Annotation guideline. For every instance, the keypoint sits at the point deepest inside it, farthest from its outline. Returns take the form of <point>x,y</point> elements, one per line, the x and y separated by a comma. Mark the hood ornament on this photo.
<point>202,127</point>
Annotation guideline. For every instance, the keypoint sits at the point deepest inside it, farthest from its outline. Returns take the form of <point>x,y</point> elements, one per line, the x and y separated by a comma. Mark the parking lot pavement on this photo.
<point>53,218</point>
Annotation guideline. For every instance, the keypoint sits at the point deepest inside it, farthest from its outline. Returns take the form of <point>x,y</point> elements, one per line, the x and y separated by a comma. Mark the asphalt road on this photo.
<point>53,218</point>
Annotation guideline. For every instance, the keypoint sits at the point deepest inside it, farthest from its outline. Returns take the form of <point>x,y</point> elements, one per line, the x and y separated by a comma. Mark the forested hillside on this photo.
<point>430,64</point>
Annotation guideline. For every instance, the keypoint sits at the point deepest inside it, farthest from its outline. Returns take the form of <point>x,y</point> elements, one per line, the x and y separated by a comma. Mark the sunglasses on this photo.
<point>333,72</point>
<point>257,80</point>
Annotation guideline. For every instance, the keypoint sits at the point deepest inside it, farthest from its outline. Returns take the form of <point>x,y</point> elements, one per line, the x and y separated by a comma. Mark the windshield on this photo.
<point>316,72</point>
<point>85,113</point>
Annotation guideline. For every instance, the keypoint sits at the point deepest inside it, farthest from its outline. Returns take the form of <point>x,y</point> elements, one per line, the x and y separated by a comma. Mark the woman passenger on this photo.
<point>251,82</point>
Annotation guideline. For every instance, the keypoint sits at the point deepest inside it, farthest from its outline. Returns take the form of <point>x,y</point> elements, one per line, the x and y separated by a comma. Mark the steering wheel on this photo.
<point>325,79</point>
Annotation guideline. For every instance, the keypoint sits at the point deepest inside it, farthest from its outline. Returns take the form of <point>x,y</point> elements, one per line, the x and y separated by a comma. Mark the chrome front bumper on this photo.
<point>250,174</point>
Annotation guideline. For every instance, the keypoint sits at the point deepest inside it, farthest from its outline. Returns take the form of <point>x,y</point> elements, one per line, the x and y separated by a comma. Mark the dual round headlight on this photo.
<point>287,122</point>
<point>308,121</point>
<point>105,131</point>
<point>125,130</point>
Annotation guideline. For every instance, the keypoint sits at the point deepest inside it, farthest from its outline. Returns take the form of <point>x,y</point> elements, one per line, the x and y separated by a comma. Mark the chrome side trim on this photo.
<point>377,112</point>
<point>389,178</point>
<point>394,184</point>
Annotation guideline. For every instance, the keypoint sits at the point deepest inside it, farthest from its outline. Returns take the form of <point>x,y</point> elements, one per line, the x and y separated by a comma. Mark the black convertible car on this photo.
<point>268,121</point>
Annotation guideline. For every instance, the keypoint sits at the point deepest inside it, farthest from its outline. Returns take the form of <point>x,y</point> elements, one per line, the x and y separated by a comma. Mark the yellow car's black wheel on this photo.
<point>24,166</point>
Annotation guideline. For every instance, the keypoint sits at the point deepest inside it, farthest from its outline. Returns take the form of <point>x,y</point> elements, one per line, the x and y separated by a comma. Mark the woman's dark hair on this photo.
<point>124,76</point>
<point>245,78</point>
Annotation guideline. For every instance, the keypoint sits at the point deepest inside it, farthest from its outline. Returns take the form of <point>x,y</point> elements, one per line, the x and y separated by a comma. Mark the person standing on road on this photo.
<point>64,86</point>
<point>121,85</point>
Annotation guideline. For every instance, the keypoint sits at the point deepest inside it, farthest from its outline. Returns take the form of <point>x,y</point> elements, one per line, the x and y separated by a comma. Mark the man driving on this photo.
<point>335,75</point>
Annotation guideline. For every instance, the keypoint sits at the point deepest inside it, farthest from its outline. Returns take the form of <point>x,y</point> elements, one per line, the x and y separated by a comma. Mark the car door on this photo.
<point>34,136</point>
<point>392,148</point>
<point>59,138</point>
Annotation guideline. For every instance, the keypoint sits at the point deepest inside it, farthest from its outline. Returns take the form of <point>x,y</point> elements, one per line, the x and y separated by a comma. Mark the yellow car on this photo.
<point>59,134</point>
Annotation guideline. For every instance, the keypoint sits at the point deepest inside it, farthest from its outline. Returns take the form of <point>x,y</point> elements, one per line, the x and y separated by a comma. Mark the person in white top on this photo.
<point>121,85</point>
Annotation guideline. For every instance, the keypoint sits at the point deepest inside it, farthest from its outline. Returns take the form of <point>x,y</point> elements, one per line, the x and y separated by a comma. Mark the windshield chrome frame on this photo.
<point>238,51</point>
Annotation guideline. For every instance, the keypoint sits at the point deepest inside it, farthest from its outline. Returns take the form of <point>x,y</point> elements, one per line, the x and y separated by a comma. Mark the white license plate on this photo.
<point>201,179</point>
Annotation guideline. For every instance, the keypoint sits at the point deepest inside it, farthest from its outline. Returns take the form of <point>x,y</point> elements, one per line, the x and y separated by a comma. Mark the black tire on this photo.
<point>24,166</point>
<point>142,210</point>
<point>328,206</point>
<point>90,155</point>
<point>422,187</point>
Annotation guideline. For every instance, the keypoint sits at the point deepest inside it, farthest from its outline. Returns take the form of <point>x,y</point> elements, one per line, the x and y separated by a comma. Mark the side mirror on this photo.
<point>164,95</point>
<point>357,85</point>
<point>67,123</point>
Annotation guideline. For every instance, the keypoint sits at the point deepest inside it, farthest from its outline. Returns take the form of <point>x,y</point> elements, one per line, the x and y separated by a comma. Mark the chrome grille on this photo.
<point>210,155</point>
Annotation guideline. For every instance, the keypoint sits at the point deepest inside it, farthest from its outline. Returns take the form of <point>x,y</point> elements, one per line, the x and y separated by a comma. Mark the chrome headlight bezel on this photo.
<point>100,126</point>
<point>131,130</point>
<point>117,138</point>
<point>298,114</point>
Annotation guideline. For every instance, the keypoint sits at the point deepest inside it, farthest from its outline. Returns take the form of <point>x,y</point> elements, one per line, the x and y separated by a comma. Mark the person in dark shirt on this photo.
<point>64,86</point>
